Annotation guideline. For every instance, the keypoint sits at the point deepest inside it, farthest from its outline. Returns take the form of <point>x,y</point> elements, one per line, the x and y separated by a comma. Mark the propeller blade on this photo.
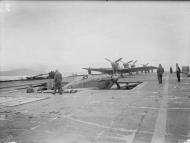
<point>122,62</point>
<point>129,61</point>
<point>118,60</point>
<point>108,60</point>
<point>134,62</point>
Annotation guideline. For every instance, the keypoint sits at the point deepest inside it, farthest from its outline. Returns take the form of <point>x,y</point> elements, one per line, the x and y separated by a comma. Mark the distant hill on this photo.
<point>21,72</point>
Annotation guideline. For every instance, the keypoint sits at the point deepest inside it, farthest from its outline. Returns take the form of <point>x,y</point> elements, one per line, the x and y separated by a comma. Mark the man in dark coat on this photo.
<point>178,71</point>
<point>89,71</point>
<point>58,82</point>
<point>160,72</point>
<point>171,71</point>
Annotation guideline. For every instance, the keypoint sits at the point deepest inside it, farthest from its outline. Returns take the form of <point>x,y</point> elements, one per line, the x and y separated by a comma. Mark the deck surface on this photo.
<point>149,113</point>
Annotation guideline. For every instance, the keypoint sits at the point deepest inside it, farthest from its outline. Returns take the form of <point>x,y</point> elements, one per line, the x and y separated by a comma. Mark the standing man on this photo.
<point>89,71</point>
<point>58,82</point>
<point>171,71</point>
<point>178,71</point>
<point>160,72</point>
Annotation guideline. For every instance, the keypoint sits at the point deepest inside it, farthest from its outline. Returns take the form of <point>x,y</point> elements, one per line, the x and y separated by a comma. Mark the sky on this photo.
<point>71,35</point>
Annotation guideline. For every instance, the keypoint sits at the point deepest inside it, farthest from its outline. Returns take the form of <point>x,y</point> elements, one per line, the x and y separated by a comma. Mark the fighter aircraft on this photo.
<point>116,70</point>
<point>113,70</point>
<point>104,81</point>
<point>126,65</point>
<point>114,64</point>
<point>146,65</point>
<point>147,69</point>
<point>101,82</point>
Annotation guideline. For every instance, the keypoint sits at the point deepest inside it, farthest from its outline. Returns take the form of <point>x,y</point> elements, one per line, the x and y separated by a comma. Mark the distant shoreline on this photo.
<point>12,78</point>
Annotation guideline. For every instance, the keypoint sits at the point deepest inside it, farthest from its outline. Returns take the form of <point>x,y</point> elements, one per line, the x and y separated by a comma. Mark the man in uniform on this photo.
<point>178,71</point>
<point>160,72</point>
<point>58,82</point>
<point>171,71</point>
<point>89,71</point>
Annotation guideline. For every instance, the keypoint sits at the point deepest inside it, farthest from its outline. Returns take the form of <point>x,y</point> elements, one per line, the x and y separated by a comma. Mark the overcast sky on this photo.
<point>70,35</point>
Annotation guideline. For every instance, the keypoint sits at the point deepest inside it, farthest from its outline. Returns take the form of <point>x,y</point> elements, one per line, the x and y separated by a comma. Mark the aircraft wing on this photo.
<point>102,70</point>
<point>125,70</point>
<point>136,69</point>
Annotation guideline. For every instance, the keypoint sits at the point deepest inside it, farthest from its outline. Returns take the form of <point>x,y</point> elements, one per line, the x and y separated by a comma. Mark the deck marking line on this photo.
<point>100,126</point>
<point>160,126</point>
<point>34,127</point>
<point>125,138</point>
<point>155,108</point>
<point>99,135</point>
<point>140,86</point>
<point>53,119</point>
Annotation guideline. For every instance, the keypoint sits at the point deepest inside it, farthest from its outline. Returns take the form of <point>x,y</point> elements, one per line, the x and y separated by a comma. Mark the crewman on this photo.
<point>178,71</point>
<point>58,82</point>
<point>171,71</point>
<point>160,72</point>
<point>89,71</point>
<point>29,89</point>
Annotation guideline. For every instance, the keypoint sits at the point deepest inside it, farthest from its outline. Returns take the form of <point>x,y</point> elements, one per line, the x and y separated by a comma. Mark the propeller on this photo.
<point>115,64</point>
<point>113,61</point>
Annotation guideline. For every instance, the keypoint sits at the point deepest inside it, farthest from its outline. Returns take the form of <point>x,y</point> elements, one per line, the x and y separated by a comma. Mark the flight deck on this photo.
<point>148,113</point>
